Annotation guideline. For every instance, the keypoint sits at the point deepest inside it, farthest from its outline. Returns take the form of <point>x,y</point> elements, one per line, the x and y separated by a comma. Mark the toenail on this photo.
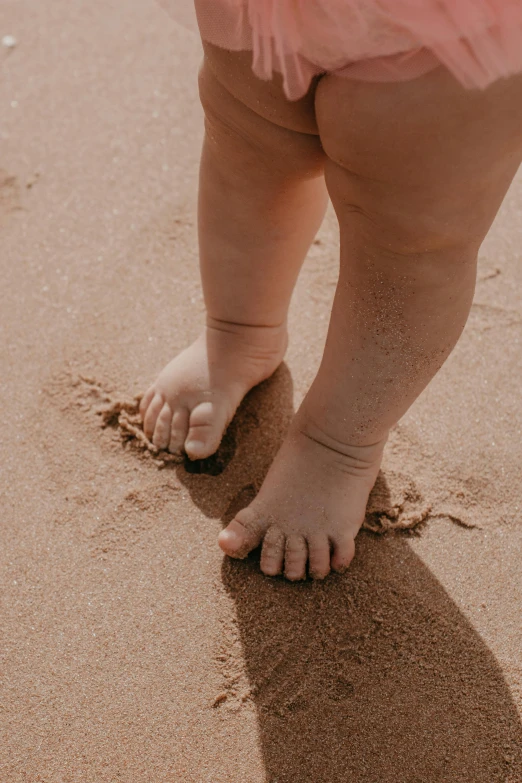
<point>230,538</point>
<point>193,445</point>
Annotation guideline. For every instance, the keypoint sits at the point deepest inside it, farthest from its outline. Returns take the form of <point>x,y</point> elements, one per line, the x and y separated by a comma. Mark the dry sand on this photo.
<point>130,650</point>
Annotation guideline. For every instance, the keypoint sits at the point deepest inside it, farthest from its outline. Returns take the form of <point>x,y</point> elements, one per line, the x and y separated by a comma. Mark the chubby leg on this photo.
<point>416,172</point>
<point>262,199</point>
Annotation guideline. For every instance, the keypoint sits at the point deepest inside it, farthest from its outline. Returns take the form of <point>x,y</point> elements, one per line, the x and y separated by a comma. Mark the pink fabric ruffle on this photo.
<point>479,41</point>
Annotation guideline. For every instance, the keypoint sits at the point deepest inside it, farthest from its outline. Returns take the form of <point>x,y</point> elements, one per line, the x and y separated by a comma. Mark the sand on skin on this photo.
<point>130,650</point>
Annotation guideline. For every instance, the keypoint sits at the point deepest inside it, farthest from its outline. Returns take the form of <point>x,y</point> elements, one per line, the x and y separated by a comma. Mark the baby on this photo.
<point>416,164</point>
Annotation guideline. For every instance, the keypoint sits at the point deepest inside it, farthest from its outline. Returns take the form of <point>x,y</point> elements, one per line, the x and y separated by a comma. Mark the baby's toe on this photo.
<point>178,430</point>
<point>161,437</point>
<point>146,401</point>
<point>273,551</point>
<point>206,426</point>
<point>151,415</point>
<point>343,552</point>
<point>318,555</point>
<point>296,555</point>
<point>243,534</point>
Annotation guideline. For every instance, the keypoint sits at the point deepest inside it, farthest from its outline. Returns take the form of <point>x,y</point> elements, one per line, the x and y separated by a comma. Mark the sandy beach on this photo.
<point>130,649</point>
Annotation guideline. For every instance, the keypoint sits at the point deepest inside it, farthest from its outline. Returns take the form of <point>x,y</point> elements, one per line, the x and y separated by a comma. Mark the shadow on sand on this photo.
<point>372,676</point>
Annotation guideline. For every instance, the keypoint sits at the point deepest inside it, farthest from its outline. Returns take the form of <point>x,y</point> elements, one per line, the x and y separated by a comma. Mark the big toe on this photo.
<point>207,423</point>
<point>243,534</point>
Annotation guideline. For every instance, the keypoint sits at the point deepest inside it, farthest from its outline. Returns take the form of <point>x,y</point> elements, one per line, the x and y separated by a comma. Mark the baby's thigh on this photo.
<point>426,160</point>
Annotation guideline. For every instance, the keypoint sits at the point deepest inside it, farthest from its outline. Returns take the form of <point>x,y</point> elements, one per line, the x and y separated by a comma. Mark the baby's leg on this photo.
<point>262,199</point>
<point>416,172</point>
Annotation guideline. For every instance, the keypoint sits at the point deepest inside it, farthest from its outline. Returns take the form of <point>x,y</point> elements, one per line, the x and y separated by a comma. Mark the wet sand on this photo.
<point>130,649</point>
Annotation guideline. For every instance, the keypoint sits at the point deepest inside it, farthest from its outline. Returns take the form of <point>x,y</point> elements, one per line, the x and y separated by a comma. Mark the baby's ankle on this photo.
<point>364,447</point>
<point>268,336</point>
<point>246,325</point>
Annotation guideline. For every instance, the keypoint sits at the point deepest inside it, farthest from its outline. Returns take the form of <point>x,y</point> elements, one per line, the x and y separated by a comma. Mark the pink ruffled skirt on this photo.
<point>479,41</point>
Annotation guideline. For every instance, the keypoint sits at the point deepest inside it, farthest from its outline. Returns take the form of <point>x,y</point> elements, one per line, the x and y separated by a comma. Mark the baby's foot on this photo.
<point>194,398</point>
<point>310,507</point>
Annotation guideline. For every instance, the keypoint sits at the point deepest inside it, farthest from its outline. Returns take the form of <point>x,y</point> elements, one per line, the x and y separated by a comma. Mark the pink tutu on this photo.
<point>479,41</point>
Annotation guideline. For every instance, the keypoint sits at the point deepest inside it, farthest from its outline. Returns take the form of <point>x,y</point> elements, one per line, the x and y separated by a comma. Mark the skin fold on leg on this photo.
<point>416,172</point>
<point>262,198</point>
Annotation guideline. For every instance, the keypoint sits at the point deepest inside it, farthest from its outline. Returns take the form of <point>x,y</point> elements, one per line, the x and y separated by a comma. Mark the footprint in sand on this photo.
<point>9,194</point>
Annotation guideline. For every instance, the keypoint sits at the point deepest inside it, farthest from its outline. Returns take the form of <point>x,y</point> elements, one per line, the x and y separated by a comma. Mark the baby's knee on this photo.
<point>399,222</point>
